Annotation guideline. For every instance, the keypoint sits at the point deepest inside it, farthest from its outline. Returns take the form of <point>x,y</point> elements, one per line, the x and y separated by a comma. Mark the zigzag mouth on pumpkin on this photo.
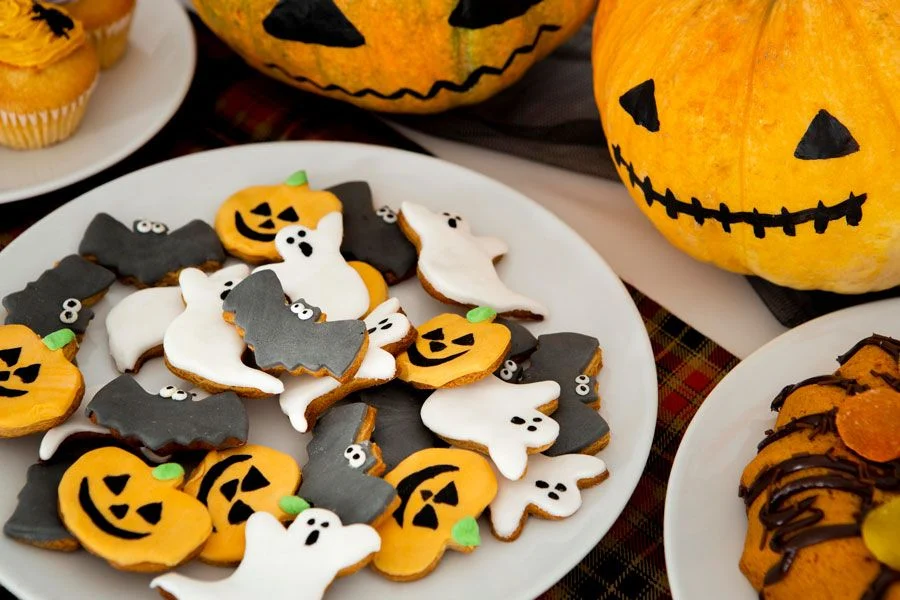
<point>821,215</point>
<point>451,86</point>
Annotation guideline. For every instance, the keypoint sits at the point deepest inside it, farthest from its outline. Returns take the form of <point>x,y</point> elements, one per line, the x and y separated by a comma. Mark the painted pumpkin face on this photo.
<point>131,515</point>
<point>450,350</point>
<point>423,56</point>
<point>248,221</point>
<point>759,139</point>
<point>39,387</point>
<point>235,484</point>
<point>442,491</point>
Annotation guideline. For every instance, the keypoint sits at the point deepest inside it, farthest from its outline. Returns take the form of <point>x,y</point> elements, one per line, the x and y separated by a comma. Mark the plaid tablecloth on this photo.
<point>232,104</point>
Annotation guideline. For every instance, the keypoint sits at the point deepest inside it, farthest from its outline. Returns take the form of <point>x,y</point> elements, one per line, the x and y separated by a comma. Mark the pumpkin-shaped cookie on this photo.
<point>248,220</point>
<point>233,485</point>
<point>452,350</point>
<point>442,492</point>
<point>39,387</point>
<point>133,516</point>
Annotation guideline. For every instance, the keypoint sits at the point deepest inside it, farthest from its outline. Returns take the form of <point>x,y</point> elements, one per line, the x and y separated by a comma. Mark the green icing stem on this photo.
<point>59,339</point>
<point>298,178</point>
<point>482,313</point>
<point>293,505</point>
<point>465,532</point>
<point>168,472</point>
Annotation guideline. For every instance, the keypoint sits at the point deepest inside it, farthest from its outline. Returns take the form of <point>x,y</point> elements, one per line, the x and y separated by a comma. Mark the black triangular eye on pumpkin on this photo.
<point>437,334</point>
<point>465,340</point>
<point>289,215</point>
<point>263,210</point>
<point>478,14</point>
<point>119,510</point>
<point>239,513</point>
<point>116,483</point>
<point>28,374</point>
<point>267,224</point>
<point>229,489</point>
<point>426,517</point>
<point>312,22</point>
<point>825,138</point>
<point>254,480</point>
<point>640,103</point>
<point>152,513</point>
<point>10,356</point>
<point>448,495</point>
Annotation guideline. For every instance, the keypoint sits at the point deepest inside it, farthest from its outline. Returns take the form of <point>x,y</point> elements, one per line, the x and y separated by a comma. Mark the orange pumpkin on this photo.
<point>412,56</point>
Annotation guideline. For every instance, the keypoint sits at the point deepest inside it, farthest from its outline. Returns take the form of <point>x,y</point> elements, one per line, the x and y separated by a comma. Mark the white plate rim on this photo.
<point>185,29</point>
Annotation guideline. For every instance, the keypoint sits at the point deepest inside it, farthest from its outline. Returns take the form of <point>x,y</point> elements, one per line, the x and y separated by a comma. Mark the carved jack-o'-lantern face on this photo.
<point>752,142</point>
<point>423,56</point>
<point>133,516</point>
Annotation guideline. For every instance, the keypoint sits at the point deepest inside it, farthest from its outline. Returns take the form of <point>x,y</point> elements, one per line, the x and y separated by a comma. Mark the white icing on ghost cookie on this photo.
<point>78,423</point>
<point>200,344</point>
<point>314,270</point>
<point>459,265</point>
<point>502,417</point>
<point>297,563</point>
<point>386,325</point>
<point>551,487</point>
<point>138,324</point>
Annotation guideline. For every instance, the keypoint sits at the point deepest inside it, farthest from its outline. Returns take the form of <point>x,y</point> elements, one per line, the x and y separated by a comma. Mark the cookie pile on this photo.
<point>415,430</point>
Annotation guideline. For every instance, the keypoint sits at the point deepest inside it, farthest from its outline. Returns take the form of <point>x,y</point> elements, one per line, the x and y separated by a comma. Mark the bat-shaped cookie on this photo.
<point>149,254</point>
<point>171,420</point>
<point>293,338</point>
<point>373,235</point>
<point>522,344</point>
<point>36,518</point>
<point>341,474</point>
<point>60,297</point>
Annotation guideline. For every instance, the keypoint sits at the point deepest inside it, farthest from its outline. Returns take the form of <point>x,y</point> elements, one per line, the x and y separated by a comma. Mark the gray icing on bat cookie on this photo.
<point>36,518</point>
<point>292,337</point>
<point>372,235</point>
<point>57,299</point>
<point>522,344</point>
<point>399,431</point>
<point>335,477</point>
<point>565,358</point>
<point>148,251</point>
<point>171,420</point>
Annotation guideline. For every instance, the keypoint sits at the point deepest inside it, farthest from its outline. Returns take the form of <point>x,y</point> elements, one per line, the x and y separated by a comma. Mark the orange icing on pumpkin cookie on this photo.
<point>35,34</point>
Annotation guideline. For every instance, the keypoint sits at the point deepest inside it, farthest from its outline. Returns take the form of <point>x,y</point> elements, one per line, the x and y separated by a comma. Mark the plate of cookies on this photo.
<point>312,368</point>
<point>787,483</point>
<point>91,81</point>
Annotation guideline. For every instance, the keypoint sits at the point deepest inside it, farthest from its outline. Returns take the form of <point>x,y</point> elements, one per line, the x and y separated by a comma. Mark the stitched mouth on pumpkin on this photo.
<point>441,85</point>
<point>820,216</point>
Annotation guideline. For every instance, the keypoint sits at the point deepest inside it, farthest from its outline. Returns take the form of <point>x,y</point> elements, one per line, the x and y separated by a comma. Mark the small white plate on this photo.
<point>132,102</point>
<point>705,521</point>
<point>547,261</point>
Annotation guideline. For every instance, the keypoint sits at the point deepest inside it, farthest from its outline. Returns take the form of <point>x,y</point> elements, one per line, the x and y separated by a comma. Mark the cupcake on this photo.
<point>107,22</point>
<point>48,70</point>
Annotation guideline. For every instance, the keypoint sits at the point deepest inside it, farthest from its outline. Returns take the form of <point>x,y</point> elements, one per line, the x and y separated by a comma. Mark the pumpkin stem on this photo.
<point>297,179</point>
<point>59,339</point>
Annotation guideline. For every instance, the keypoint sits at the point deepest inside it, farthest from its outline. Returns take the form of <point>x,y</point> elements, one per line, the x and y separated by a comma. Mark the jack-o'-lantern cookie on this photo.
<point>248,221</point>
<point>442,492</point>
<point>233,485</point>
<point>133,516</point>
<point>451,351</point>
<point>457,267</point>
<point>39,387</point>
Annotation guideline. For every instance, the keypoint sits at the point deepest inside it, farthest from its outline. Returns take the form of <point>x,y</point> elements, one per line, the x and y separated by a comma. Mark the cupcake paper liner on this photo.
<point>29,131</point>
<point>112,41</point>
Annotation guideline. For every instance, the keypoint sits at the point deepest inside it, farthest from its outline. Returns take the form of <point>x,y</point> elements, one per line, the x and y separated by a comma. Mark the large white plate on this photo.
<point>547,261</point>
<point>705,521</point>
<point>132,102</point>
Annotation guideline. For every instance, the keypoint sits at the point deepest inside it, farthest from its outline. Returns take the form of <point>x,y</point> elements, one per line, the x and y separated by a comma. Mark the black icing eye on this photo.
<point>825,138</point>
<point>152,513</point>
<point>384,324</point>
<point>325,524</point>
<point>311,522</point>
<point>318,22</point>
<point>479,14</point>
<point>465,340</point>
<point>289,215</point>
<point>263,210</point>
<point>116,483</point>
<point>290,241</point>
<point>517,421</point>
<point>301,233</point>
<point>434,335</point>
<point>541,484</point>
<point>640,103</point>
<point>143,226</point>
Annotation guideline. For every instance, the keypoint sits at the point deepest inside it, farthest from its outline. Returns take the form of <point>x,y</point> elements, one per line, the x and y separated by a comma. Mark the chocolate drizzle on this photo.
<point>816,424</point>
<point>850,386</point>
<point>879,587</point>
<point>888,344</point>
<point>804,539</point>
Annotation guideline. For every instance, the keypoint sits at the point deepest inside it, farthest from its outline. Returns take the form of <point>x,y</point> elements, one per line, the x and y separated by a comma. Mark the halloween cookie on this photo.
<point>504,420</point>
<point>297,563</point>
<point>451,351</point>
<point>60,298</point>
<point>235,484</point>
<point>375,284</point>
<point>572,360</point>
<point>148,254</point>
<point>137,325</point>
<point>134,517</point>
<point>372,234</point>
<point>457,267</point>
<point>201,347</point>
<point>442,492</point>
<point>312,269</point>
<point>342,473</point>
<point>306,397</point>
<point>39,387</point>
<point>248,221</point>
<point>77,426</point>
<point>551,489</point>
<point>36,519</point>
<point>170,420</point>
<point>522,345</point>
<point>293,337</point>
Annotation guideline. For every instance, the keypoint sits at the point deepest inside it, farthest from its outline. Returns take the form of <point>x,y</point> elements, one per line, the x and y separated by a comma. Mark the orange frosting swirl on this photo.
<point>35,34</point>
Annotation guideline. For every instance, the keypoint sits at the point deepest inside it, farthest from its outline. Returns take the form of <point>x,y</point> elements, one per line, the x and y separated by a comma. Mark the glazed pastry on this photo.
<point>107,22</point>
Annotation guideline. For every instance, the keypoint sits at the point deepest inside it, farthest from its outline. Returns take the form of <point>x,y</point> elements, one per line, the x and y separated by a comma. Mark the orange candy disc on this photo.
<point>868,424</point>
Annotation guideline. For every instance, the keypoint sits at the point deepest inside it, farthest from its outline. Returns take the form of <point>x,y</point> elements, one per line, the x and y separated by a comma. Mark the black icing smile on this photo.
<point>244,230</point>
<point>419,360</point>
<point>821,215</point>
<point>97,518</point>
<point>470,82</point>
